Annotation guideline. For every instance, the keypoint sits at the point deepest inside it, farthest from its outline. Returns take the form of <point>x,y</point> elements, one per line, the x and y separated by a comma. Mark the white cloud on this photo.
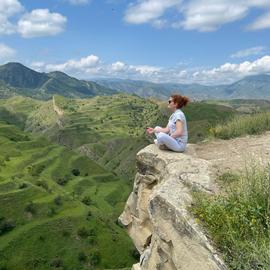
<point>41,22</point>
<point>91,66</point>
<point>145,69</point>
<point>76,66</point>
<point>148,10</point>
<point>259,50</point>
<point>199,15</point>
<point>208,15</point>
<point>8,8</point>
<point>6,53</point>
<point>229,72</point>
<point>262,22</point>
<point>118,66</point>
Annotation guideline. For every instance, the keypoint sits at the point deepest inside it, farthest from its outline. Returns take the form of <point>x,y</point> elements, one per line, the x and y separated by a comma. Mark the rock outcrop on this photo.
<point>157,213</point>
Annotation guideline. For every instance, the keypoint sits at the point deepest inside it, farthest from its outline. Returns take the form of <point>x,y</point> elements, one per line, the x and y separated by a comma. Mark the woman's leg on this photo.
<point>170,142</point>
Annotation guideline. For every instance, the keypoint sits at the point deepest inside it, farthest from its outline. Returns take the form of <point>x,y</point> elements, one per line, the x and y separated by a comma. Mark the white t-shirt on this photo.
<point>178,115</point>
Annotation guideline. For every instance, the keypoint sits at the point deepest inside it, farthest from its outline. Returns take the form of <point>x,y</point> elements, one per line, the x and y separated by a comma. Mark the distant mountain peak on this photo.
<point>28,82</point>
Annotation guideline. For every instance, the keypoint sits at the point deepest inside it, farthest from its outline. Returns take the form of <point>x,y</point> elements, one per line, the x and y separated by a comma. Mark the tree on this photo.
<point>76,172</point>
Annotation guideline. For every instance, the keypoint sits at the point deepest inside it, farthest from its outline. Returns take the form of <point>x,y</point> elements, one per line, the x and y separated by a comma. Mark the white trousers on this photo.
<point>170,142</point>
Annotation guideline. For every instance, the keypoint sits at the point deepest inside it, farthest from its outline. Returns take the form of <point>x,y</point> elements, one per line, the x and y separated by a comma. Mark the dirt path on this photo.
<point>235,153</point>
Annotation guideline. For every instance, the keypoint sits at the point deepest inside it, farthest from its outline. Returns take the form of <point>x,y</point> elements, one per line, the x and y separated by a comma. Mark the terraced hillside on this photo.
<point>108,129</point>
<point>57,208</point>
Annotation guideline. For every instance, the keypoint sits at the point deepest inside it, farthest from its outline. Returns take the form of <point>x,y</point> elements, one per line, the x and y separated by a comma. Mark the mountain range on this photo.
<point>17,79</point>
<point>250,87</point>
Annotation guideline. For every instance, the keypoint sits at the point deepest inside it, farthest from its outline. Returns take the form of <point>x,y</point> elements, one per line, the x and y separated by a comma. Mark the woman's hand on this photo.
<point>149,130</point>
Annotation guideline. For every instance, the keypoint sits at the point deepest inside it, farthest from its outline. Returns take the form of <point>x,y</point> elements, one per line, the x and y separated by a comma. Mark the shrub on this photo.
<point>62,181</point>
<point>31,208</point>
<point>82,257</point>
<point>6,225</point>
<point>94,257</point>
<point>83,232</point>
<point>58,200</point>
<point>36,170</point>
<point>23,185</point>
<point>239,221</point>
<point>242,125</point>
<point>135,254</point>
<point>51,212</point>
<point>75,172</point>
<point>65,233</point>
<point>43,184</point>
<point>87,200</point>
<point>89,215</point>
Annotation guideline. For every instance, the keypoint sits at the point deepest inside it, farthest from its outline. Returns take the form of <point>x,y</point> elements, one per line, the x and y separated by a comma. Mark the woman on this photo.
<point>175,135</point>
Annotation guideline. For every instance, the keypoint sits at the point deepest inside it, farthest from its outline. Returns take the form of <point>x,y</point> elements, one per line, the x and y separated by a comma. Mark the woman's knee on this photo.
<point>161,137</point>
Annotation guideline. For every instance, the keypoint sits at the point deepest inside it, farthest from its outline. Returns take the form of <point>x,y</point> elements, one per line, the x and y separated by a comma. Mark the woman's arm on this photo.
<point>150,130</point>
<point>179,129</point>
<point>165,130</point>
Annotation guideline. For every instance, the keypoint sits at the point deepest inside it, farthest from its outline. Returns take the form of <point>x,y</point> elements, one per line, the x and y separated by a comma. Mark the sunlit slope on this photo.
<point>110,130</point>
<point>57,208</point>
<point>16,109</point>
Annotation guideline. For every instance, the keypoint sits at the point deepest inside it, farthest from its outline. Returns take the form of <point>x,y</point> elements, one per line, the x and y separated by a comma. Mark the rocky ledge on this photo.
<point>156,214</point>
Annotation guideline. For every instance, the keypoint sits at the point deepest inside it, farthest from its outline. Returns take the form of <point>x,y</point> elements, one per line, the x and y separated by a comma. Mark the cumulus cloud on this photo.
<point>230,72</point>
<point>38,22</point>
<point>258,50</point>
<point>6,53</point>
<point>200,15</point>
<point>8,8</point>
<point>41,22</point>
<point>149,10</point>
<point>91,66</point>
<point>72,66</point>
<point>118,66</point>
<point>208,15</point>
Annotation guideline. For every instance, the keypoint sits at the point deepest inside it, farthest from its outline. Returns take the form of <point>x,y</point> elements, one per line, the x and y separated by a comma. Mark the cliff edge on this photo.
<point>156,214</point>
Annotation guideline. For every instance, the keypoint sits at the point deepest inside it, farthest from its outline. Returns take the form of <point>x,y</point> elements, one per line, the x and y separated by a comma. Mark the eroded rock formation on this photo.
<point>157,216</point>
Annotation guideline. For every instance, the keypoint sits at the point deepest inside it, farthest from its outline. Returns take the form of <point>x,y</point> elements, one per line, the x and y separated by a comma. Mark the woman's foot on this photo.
<point>160,146</point>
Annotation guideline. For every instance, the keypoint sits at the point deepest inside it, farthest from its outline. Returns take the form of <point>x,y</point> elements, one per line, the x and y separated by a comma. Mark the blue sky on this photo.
<point>187,41</point>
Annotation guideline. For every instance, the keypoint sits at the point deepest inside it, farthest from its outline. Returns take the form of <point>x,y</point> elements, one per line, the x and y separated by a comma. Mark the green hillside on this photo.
<point>108,129</point>
<point>17,79</point>
<point>58,209</point>
<point>201,116</point>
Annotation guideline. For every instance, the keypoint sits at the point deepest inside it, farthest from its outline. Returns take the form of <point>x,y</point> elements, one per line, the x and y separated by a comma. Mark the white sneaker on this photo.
<point>160,146</point>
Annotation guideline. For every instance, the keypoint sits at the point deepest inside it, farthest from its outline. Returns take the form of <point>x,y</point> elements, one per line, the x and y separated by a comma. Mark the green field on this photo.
<point>58,209</point>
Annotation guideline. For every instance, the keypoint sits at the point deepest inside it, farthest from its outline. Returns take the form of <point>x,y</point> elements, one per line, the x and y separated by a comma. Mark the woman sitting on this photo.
<point>175,135</point>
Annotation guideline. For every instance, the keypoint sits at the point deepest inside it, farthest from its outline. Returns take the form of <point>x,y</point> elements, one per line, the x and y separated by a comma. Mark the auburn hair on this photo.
<point>181,101</point>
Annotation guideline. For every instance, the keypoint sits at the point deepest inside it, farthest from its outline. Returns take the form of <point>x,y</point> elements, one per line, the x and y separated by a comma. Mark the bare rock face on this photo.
<point>156,213</point>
